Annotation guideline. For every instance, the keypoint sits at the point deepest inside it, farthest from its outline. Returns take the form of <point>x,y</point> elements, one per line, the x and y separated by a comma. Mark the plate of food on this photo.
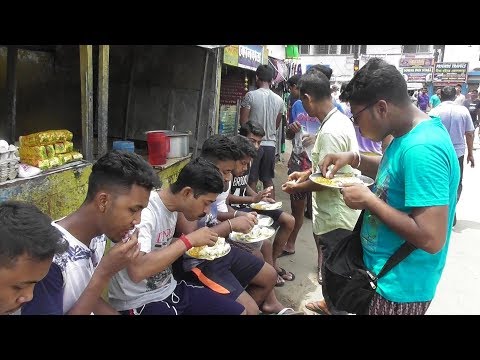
<point>339,180</point>
<point>205,252</point>
<point>258,233</point>
<point>264,220</point>
<point>264,205</point>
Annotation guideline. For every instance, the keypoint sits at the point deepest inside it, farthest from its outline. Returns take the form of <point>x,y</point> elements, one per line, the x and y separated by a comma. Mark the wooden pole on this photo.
<point>86,83</point>
<point>12,92</point>
<point>102,103</point>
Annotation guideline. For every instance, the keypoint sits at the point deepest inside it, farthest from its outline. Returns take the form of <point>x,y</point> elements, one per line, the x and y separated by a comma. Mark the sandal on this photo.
<point>280,281</point>
<point>290,311</point>
<point>284,273</point>
<point>320,307</point>
<point>286,253</point>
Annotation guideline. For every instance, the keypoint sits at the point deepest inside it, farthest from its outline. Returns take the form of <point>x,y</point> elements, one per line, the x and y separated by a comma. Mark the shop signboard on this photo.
<point>228,120</point>
<point>250,56</point>
<point>416,69</point>
<point>230,55</point>
<point>450,73</point>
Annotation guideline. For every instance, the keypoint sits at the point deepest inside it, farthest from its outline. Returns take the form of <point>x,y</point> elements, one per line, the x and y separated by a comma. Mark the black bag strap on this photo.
<point>398,256</point>
<point>358,225</point>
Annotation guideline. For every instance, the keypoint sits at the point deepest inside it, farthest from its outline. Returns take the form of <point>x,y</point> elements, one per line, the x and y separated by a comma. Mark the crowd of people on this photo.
<point>370,124</point>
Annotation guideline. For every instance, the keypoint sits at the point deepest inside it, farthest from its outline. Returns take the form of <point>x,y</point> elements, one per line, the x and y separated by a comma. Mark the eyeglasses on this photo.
<point>352,118</point>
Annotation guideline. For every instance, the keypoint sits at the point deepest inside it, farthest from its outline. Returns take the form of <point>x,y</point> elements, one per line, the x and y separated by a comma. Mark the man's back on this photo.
<point>457,120</point>
<point>264,107</point>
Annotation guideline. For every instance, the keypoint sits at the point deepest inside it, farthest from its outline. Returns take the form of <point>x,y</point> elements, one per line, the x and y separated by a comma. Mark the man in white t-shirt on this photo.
<point>118,190</point>
<point>239,274</point>
<point>459,97</point>
<point>147,285</point>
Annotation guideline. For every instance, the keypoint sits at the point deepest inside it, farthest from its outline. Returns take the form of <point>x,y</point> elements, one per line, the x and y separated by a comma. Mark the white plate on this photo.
<point>193,252</point>
<point>264,220</point>
<point>258,233</point>
<point>336,182</point>
<point>266,206</point>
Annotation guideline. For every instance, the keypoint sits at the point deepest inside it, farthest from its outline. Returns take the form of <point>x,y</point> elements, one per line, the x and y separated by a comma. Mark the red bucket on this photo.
<point>158,148</point>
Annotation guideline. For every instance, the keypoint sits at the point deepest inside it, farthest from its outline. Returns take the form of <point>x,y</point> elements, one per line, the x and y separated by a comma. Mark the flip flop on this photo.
<point>286,253</point>
<point>280,281</point>
<point>285,311</point>
<point>283,272</point>
<point>290,311</point>
<point>320,307</point>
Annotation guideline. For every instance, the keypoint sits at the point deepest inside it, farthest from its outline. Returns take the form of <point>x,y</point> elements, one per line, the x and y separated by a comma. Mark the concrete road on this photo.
<point>459,289</point>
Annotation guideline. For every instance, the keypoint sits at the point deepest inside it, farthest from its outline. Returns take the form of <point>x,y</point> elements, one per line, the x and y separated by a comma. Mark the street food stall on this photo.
<point>51,94</point>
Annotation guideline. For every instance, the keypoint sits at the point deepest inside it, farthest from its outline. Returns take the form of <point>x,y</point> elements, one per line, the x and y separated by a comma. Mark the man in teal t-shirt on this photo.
<point>415,193</point>
<point>435,99</point>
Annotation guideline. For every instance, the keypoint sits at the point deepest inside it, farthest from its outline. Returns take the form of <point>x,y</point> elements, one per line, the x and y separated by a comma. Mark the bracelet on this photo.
<point>359,159</point>
<point>187,242</point>
<point>355,154</point>
<point>230,223</point>
<point>235,213</point>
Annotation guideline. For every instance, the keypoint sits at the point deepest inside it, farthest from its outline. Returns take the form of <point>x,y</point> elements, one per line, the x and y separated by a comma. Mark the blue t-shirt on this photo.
<point>298,109</point>
<point>418,169</point>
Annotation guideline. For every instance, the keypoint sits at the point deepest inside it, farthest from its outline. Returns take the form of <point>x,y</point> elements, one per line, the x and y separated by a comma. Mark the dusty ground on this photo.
<point>305,287</point>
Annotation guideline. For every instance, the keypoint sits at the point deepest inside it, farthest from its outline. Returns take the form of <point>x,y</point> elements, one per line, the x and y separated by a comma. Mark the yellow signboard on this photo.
<point>230,55</point>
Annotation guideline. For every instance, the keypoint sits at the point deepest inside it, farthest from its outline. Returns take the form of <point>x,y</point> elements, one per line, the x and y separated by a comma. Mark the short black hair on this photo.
<point>320,69</point>
<point>24,229</point>
<point>245,146</point>
<point>377,80</point>
<point>121,169</point>
<point>343,87</point>
<point>264,73</point>
<point>315,85</point>
<point>219,147</point>
<point>448,93</point>
<point>252,127</point>
<point>201,175</point>
<point>293,80</point>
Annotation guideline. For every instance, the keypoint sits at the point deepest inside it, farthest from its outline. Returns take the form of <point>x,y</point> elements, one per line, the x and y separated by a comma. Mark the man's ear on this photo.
<point>101,201</point>
<point>186,191</point>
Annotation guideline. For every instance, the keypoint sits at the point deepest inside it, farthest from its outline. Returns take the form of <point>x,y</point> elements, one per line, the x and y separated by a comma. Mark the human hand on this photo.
<point>299,176</point>
<point>308,140</point>
<point>357,196</point>
<point>290,187</point>
<point>262,194</point>
<point>243,224</point>
<point>295,127</point>
<point>120,255</point>
<point>250,215</point>
<point>338,160</point>
<point>202,236</point>
<point>471,160</point>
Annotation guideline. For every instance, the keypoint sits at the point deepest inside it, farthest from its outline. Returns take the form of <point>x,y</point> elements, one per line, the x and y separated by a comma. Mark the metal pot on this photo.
<point>179,143</point>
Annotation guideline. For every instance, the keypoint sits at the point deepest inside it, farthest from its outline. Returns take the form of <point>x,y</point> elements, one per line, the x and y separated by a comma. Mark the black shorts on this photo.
<point>263,166</point>
<point>230,274</point>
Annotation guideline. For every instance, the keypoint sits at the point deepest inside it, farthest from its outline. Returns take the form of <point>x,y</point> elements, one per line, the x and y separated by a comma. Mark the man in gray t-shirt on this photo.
<point>266,108</point>
<point>456,118</point>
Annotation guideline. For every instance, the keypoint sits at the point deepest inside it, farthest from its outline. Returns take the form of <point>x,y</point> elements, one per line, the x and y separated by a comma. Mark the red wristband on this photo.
<point>187,242</point>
